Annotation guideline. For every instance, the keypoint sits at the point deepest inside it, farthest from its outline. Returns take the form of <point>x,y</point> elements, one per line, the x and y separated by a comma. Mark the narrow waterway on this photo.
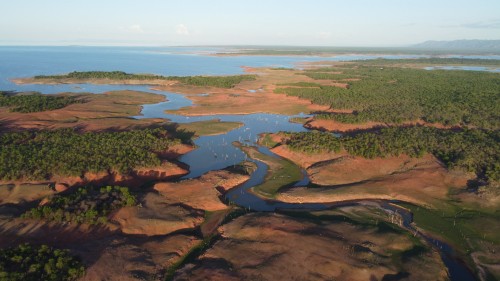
<point>213,152</point>
<point>217,152</point>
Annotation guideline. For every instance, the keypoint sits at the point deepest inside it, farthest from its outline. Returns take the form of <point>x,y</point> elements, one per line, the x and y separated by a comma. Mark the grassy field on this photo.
<point>475,234</point>
<point>210,127</point>
<point>282,173</point>
<point>459,224</point>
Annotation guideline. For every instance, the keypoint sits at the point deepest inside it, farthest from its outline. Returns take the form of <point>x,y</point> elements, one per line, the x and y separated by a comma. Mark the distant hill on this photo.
<point>483,45</point>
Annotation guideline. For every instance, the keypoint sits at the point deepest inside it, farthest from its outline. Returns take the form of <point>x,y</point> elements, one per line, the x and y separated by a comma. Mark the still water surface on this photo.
<point>213,152</point>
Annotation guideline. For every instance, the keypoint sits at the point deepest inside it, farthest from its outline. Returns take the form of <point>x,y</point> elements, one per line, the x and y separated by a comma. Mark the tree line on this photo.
<point>206,81</point>
<point>395,95</point>
<point>35,102</point>
<point>472,150</point>
<point>34,263</point>
<point>89,205</point>
<point>37,155</point>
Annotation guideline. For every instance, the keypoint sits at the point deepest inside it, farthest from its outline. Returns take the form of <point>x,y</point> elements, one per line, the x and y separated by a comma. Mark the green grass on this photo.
<point>210,127</point>
<point>281,173</point>
<point>461,227</point>
<point>267,141</point>
<point>467,230</point>
<point>190,256</point>
<point>285,176</point>
<point>299,120</point>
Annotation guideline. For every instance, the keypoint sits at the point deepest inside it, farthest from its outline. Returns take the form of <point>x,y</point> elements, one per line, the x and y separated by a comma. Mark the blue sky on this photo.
<point>256,22</point>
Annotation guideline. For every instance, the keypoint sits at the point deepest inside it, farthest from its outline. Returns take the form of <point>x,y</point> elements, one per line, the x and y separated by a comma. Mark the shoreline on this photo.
<point>400,176</point>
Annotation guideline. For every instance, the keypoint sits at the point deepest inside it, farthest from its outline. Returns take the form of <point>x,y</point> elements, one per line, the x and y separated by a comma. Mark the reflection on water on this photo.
<point>457,270</point>
<point>28,61</point>
<point>213,152</point>
<point>217,152</point>
<point>460,67</point>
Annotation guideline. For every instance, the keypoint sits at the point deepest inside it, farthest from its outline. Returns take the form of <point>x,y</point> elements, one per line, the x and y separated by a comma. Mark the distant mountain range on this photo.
<point>460,45</point>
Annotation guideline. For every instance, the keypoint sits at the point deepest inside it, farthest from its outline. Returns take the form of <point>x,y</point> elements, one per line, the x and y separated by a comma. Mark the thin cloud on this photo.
<point>324,35</point>
<point>495,24</point>
<point>181,29</point>
<point>136,28</point>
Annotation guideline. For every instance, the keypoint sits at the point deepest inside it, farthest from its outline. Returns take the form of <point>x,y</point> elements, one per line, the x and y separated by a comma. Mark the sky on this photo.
<point>374,23</point>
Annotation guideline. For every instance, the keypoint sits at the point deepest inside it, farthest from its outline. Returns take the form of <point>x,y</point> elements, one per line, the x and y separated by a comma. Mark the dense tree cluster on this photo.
<point>36,155</point>
<point>301,84</point>
<point>35,102</point>
<point>470,149</point>
<point>394,95</point>
<point>33,263</point>
<point>213,81</point>
<point>208,81</point>
<point>87,205</point>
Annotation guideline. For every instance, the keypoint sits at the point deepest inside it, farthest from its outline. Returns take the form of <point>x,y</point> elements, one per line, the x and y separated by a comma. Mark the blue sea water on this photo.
<point>214,152</point>
<point>28,61</point>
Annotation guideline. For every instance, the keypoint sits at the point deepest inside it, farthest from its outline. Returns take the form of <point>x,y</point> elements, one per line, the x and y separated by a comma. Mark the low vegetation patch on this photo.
<point>89,205</point>
<point>205,81</point>
<point>35,102</point>
<point>462,227</point>
<point>210,127</point>
<point>27,262</point>
<point>282,173</point>
<point>213,81</point>
<point>37,155</point>
<point>300,84</point>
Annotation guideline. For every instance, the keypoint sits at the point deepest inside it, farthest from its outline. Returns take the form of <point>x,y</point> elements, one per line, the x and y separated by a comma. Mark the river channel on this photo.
<point>217,152</point>
<point>212,152</point>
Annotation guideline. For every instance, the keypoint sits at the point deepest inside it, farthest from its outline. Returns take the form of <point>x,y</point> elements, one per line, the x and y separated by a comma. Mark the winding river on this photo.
<point>217,152</point>
<point>213,152</point>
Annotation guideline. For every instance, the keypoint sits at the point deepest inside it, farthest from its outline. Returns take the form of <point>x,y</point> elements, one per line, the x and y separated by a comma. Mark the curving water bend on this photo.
<point>217,152</point>
<point>213,152</point>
